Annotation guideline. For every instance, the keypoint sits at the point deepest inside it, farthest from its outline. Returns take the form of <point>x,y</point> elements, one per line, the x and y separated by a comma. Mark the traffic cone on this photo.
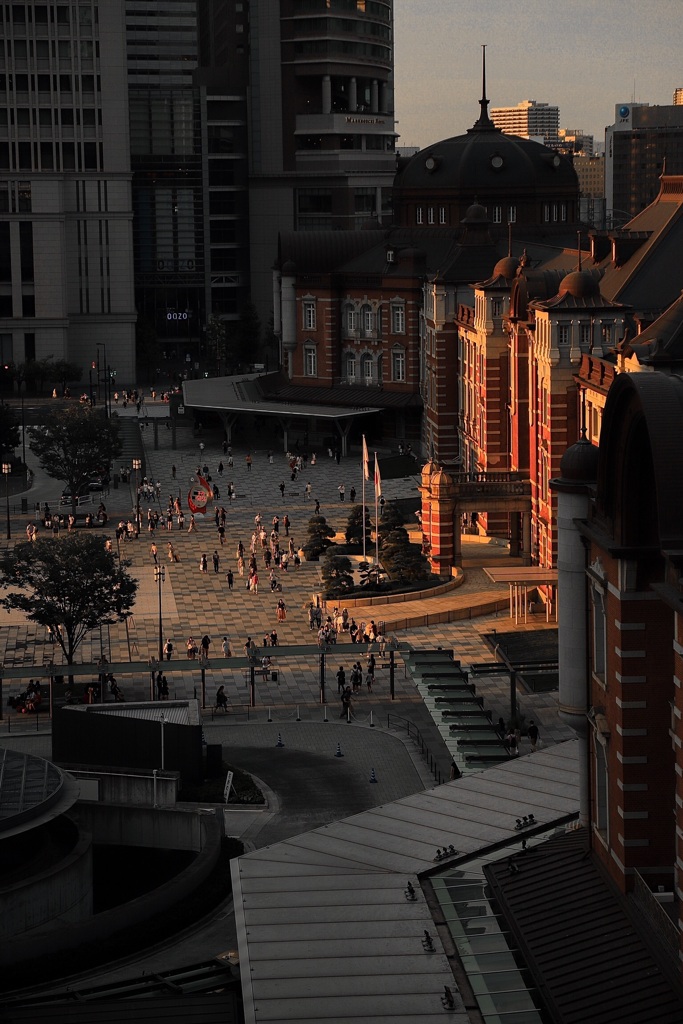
<point>339,751</point>
<point>373,777</point>
<point>279,740</point>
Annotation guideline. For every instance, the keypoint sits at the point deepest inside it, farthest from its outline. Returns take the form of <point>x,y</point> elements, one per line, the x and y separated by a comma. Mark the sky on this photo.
<point>584,56</point>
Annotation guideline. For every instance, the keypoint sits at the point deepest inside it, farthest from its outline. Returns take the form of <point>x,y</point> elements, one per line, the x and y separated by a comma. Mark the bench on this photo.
<point>481,742</point>
<point>464,700</point>
<point>483,727</point>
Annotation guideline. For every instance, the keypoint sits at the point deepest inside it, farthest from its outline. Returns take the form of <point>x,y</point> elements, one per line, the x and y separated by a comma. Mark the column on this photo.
<point>327,94</point>
<point>526,538</point>
<point>374,96</point>
<point>353,94</point>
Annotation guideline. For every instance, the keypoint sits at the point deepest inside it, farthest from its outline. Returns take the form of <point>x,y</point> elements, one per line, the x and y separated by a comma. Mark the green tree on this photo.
<point>337,576</point>
<point>244,339</point>
<point>216,340</point>
<point>63,372</point>
<point>319,537</point>
<point>9,431</point>
<point>391,519</point>
<point>70,586</point>
<point>354,525</point>
<point>404,560</point>
<point>370,575</point>
<point>76,444</point>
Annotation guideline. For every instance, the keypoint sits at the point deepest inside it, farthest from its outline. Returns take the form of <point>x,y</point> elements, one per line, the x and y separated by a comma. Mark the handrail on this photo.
<point>424,749</point>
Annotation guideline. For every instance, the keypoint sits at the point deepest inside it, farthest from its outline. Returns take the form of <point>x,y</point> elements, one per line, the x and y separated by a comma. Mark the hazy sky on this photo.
<point>582,55</point>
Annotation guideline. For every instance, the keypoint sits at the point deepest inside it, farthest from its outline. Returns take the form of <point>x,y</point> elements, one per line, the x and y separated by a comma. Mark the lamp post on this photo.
<point>162,722</point>
<point>107,405</point>
<point>7,469</point>
<point>160,576</point>
<point>137,466</point>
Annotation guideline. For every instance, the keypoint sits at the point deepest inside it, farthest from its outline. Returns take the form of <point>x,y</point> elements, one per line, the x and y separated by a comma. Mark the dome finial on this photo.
<point>484,122</point>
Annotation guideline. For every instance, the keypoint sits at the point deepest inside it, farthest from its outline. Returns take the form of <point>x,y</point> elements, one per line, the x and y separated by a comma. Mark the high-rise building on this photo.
<point>643,142</point>
<point>678,97</point>
<point>66,281</point>
<point>575,140</point>
<point>531,120</point>
<point>322,139</point>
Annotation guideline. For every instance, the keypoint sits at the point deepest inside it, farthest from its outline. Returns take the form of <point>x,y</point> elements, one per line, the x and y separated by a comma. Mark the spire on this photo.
<point>484,122</point>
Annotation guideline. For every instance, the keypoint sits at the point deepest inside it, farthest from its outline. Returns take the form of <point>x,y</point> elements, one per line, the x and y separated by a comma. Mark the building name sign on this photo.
<point>365,120</point>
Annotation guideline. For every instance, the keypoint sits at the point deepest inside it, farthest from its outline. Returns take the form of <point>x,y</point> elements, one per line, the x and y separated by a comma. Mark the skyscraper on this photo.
<point>531,120</point>
<point>66,284</point>
<point>641,141</point>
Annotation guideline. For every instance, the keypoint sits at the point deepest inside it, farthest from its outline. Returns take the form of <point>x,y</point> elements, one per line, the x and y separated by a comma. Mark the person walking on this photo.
<point>533,734</point>
<point>286,524</point>
<point>192,528</point>
<point>347,704</point>
<point>352,494</point>
<point>173,472</point>
<point>216,562</point>
<point>307,491</point>
<point>281,611</point>
<point>221,700</point>
<point>282,490</point>
<point>206,643</point>
<point>225,647</point>
<point>154,551</point>
<point>168,649</point>
<point>230,578</point>
<point>248,461</point>
<point>172,555</point>
<point>342,491</point>
<point>203,564</point>
<point>254,582</point>
<point>341,680</point>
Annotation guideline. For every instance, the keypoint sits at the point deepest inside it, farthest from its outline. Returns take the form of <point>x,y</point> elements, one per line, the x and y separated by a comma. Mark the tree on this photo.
<point>319,537</point>
<point>244,338</point>
<point>370,574</point>
<point>62,372</point>
<point>216,340</point>
<point>404,560</point>
<point>9,431</point>
<point>354,525</point>
<point>337,576</point>
<point>392,518</point>
<point>76,444</point>
<point>70,586</point>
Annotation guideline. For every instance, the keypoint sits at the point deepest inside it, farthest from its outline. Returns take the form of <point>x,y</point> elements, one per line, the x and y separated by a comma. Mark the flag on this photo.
<point>378,480</point>
<point>366,460</point>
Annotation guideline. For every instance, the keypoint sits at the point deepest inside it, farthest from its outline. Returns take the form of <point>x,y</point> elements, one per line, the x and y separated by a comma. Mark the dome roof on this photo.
<point>580,284</point>
<point>507,267</point>
<point>579,464</point>
<point>485,160</point>
<point>288,268</point>
<point>476,214</point>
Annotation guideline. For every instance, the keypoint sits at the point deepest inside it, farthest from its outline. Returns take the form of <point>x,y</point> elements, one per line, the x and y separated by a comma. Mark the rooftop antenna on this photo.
<point>484,122</point>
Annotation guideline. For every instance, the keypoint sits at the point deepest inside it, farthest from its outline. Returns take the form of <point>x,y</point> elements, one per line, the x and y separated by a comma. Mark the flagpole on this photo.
<point>364,461</point>
<point>376,518</point>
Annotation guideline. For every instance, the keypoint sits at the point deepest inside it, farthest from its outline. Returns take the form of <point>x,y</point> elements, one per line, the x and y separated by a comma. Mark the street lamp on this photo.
<point>160,576</point>
<point>107,405</point>
<point>7,469</point>
<point>137,466</point>
<point>162,722</point>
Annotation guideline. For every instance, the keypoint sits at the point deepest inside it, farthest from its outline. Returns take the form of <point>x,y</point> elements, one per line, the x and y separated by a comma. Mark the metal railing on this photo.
<point>414,733</point>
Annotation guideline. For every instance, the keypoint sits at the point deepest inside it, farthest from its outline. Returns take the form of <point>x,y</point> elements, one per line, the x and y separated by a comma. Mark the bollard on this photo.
<point>339,751</point>
<point>270,717</point>
<point>373,777</point>
<point>298,716</point>
<point>372,724</point>
<point>279,740</point>
<point>325,719</point>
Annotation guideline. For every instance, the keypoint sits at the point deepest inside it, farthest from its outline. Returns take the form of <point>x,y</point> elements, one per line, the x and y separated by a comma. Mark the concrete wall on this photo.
<point>133,789</point>
<point>121,825</point>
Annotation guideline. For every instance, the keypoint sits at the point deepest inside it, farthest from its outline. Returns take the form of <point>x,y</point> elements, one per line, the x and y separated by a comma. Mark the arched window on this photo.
<point>368,321</point>
<point>350,366</point>
<point>366,367</point>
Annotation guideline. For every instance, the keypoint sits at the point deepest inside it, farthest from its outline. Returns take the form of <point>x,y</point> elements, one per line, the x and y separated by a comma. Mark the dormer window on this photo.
<point>391,255</point>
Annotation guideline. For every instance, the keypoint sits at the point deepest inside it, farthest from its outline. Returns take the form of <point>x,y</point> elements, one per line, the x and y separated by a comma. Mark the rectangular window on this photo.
<point>398,320</point>
<point>419,215</point>
<point>398,368</point>
<point>563,335</point>
<point>310,362</point>
<point>442,215</point>
<point>586,335</point>
<point>546,212</point>
<point>430,215</point>
<point>351,321</point>
<point>512,214</point>
<point>497,214</point>
<point>496,307</point>
<point>563,211</point>
<point>351,366</point>
<point>368,321</point>
<point>29,347</point>
<point>555,211</point>
<point>606,335</point>
<point>309,316</point>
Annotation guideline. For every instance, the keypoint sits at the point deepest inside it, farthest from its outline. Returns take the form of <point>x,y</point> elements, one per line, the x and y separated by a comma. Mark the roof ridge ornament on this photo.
<point>483,122</point>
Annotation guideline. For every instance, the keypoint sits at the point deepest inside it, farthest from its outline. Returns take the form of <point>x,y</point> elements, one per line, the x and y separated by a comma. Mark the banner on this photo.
<point>366,460</point>
<point>199,496</point>
<point>378,480</point>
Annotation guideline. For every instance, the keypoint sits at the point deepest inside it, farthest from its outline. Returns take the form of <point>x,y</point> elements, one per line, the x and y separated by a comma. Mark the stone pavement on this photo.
<point>194,603</point>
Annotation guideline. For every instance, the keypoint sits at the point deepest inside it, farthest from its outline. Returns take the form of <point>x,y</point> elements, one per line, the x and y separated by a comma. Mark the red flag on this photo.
<point>366,460</point>
<point>378,480</point>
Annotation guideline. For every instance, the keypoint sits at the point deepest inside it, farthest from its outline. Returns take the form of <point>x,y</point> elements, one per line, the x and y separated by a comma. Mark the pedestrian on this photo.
<point>191,648</point>
<point>192,528</point>
<point>341,680</point>
<point>168,649</point>
<point>316,510</point>
<point>281,611</point>
<point>173,472</point>
<point>266,662</point>
<point>254,582</point>
<point>342,491</point>
<point>511,743</point>
<point>225,647</point>
<point>221,700</point>
<point>206,643</point>
<point>382,502</point>
<point>352,494</point>
<point>286,524</point>
<point>230,578</point>
<point>159,681</point>
<point>216,562</point>
<point>533,734</point>
<point>369,679</point>
<point>248,461</point>
<point>347,704</point>
<point>282,490</point>
<point>221,534</point>
<point>225,447</point>
<point>203,564</point>
<point>220,469</point>
<point>164,688</point>
<point>307,491</point>
<point>153,550</point>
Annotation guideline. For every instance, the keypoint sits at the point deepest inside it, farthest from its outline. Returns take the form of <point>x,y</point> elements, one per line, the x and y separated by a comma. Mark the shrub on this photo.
<point>354,525</point>
<point>337,576</point>
<point>319,538</point>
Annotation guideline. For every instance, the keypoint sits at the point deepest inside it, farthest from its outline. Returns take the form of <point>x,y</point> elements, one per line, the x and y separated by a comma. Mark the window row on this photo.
<point>431,214</point>
<point>364,369</point>
<point>364,321</point>
<point>554,212</point>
